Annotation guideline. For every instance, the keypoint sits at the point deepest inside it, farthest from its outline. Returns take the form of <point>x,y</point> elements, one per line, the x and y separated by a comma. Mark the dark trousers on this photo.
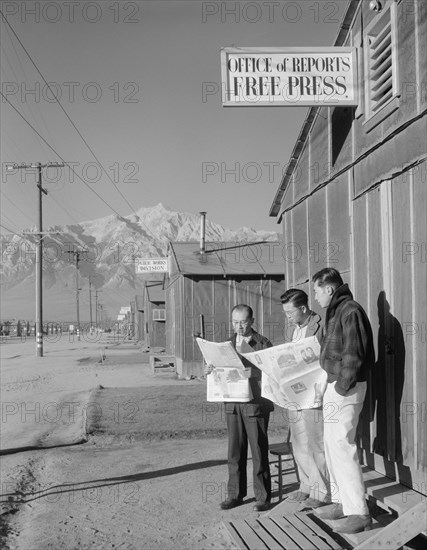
<point>248,423</point>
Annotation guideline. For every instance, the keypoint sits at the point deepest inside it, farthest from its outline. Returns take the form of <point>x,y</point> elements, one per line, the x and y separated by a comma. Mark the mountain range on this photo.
<point>107,249</point>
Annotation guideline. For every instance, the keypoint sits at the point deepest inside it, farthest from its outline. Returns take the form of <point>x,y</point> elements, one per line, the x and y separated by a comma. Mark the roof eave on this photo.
<point>311,115</point>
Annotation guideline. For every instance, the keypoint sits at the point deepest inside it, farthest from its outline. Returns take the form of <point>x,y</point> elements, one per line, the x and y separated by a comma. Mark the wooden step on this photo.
<point>306,531</point>
<point>286,527</point>
<point>391,494</point>
<point>291,532</point>
<point>162,363</point>
<point>347,540</point>
<point>398,532</point>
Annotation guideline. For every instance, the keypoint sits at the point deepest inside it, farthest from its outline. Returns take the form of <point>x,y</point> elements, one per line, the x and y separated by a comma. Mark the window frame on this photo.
<point>374,117</point>
<point>160,316</point>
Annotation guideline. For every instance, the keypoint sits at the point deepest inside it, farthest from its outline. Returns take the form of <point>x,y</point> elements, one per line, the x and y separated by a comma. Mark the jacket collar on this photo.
<point>253,339</point>
<point>313,324</point>
<point>341,294</point>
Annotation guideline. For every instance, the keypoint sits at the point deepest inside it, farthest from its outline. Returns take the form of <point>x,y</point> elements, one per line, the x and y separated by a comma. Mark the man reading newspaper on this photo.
<point>307,426</point>
<point>247,422</point>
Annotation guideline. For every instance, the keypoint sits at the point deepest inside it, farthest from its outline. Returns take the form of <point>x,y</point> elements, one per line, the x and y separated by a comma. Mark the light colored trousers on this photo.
<point>307,441</point>
<point>341,416</point>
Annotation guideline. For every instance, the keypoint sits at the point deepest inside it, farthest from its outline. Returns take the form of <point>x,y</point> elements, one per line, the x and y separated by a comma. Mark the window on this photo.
<point>159,315</point>
<point>381,69</point>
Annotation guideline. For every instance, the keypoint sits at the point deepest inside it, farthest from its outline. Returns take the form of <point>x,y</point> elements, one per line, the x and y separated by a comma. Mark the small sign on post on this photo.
<point>289,76</point>
<point>151,265</point>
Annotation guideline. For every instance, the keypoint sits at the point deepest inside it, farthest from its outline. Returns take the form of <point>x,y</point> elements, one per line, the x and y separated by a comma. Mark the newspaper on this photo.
<point>229,380</point>
<point>220,354</point>
<point>291,373</point>
<point>227,385</point>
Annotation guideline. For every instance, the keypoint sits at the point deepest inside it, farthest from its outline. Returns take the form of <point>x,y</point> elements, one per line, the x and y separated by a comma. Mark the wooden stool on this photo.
<point>283,450</point>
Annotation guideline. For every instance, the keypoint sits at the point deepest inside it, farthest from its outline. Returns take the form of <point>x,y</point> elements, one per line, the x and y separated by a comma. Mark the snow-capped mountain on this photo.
<point>108,247</point>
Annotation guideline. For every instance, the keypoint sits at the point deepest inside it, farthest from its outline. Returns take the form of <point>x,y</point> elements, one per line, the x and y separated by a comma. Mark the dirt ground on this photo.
<point>150,475</point>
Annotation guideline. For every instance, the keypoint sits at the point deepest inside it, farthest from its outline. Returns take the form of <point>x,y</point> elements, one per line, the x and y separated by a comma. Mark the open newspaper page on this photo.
<point>228,381</point>
<point>220,354</point>
<point>290,372</point>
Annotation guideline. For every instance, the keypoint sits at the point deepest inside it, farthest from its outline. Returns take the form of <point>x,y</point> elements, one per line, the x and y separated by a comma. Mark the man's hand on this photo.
<point>318,395</point>
<point>319,390</point>
<point>209,368</point>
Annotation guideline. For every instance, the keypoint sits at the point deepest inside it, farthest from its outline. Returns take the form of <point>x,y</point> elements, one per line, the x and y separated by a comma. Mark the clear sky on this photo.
<point>140,80</point>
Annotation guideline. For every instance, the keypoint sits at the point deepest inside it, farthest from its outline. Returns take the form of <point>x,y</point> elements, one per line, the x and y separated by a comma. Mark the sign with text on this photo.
<point>289,76</point>
<point>151,265</point>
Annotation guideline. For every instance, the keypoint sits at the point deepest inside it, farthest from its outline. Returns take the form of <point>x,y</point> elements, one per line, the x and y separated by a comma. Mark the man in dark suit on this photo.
<point>248,422</point>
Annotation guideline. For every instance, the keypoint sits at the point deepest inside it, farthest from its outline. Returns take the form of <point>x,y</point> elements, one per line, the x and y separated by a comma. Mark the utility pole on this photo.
<point>100,307</point>
<point>77,254</point>
<point>90,301</point>
<point>39,248</point>
<point>96,307</point>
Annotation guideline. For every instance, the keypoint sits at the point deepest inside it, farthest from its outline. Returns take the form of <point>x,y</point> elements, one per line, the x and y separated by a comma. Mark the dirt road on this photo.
<point>124,487</point>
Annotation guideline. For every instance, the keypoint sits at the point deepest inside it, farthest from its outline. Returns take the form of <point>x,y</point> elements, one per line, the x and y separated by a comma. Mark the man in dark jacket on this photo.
<point>346,354</point>
<point>248,422</point>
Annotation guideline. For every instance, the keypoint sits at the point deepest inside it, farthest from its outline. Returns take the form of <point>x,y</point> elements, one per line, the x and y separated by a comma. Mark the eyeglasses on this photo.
<point>243,323</point>
<point>292,312</point>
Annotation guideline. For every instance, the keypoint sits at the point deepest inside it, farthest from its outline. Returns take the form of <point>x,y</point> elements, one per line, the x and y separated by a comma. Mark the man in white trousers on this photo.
<point>347,355</point>
<point>307,427</point>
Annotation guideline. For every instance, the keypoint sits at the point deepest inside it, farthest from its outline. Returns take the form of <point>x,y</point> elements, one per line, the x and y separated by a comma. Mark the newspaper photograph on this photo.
<point>229,380</point>
<point>291,373</point>
<point>228,385</point>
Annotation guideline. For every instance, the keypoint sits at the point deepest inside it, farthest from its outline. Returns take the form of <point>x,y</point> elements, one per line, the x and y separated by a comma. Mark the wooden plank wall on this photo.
<point>174,316</point>
<point>418,331</point>
<point>157,328</point>
<point>189,297</point>
<point>370,223</point>
<point>386,245</point>
<point>148,320</point>
<point>390,237</point>
<point>388,277</point>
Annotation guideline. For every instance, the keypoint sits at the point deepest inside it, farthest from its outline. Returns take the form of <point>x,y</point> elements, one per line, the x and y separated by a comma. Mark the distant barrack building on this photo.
<point>354,197</point>
<point>202,287</point>
<point>150,315</point>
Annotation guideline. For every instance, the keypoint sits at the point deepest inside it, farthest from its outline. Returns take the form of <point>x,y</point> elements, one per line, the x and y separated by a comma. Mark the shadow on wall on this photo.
<point>386,390</point>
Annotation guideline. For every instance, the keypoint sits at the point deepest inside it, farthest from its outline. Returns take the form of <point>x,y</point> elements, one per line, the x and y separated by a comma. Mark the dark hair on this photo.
<point>328,276</point>
<point>295,296</point>
<point>244,307</point>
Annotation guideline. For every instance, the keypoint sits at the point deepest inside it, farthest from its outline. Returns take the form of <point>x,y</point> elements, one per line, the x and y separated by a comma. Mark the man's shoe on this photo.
<point>336,512</point>
<point>230,503</point>
<point>297,496</point>
<point>314,503</point>
<point>262,506</point>
<point>353,524</point>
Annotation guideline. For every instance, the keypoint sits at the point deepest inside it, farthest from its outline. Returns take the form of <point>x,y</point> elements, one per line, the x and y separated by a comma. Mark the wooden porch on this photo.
<point>399,515</point>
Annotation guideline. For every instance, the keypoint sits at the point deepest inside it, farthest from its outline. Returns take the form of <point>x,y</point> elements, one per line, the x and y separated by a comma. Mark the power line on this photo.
<point>17,207</point>
<point>72,123</point>
<point>10,222</point>
<point>9,230</point>
<point>17,80</point>
<point>67,115</point>
<point>56,153</point>
<point>63,208</point>
<point>65,162</point>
